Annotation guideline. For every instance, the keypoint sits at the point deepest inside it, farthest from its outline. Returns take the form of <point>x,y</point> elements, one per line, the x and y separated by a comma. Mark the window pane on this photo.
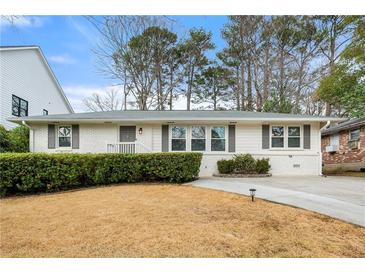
<point>198,132</point>
<point>64,141</point>
<point>294,131</point>
<point>23,104</point>
<point>277,131</point>
<point>23,112</point>
<point>277,142</point>
<point>15,101</point>
<point>218,132</point>
<point>178,144</point>
<point>355,134</point>
<point>15,111</point>
<point>198,144</point>
<point>218,145</point>
<point>178,132</point>
<point>293,142</point>
<point>15,105</point>
<point>64,131</point>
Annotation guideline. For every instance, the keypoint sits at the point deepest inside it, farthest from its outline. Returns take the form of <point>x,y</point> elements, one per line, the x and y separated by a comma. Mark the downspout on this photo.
<point>320,146</point>
<point>31,147</point>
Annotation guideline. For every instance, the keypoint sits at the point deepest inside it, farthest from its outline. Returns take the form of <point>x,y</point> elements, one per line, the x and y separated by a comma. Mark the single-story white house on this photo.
<point>292,142</point>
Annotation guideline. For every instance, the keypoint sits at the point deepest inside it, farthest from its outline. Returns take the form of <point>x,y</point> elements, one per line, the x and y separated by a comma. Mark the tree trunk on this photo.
<point>266,75</point>
<point>242,87</point>
<point>190,84</point>
<point>237,89</point>
<point>282,78</point>
<point>249,87</point>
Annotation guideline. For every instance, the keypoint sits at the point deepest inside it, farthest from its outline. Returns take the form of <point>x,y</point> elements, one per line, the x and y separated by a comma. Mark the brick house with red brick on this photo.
<point>343,146</point>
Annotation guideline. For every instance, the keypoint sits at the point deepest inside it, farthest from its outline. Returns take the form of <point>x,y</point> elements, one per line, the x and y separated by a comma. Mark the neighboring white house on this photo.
<point>292,142</point>
<point>28,85</point>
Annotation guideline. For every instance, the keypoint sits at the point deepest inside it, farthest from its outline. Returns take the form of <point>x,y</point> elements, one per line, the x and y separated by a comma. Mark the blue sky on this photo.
<point>67,43</point>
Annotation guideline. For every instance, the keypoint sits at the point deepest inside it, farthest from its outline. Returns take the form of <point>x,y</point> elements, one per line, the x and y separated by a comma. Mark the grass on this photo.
<point>168,221</point>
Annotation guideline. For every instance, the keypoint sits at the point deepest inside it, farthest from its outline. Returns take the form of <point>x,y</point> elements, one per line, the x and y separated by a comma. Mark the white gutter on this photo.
<point>320,146</point>
<point>31,131</point>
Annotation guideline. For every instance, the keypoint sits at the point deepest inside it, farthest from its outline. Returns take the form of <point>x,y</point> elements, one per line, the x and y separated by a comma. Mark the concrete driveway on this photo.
<point>338,197</point>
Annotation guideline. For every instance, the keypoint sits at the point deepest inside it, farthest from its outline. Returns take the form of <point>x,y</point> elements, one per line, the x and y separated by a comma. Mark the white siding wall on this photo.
<point>156,138</point>
<point>24,74</point>
<point>93,138</point>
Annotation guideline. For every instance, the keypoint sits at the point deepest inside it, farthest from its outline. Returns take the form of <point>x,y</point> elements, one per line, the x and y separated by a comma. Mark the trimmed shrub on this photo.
<point>244,163</point>
<point>262,166</point>
<point>225,166</point>
<point>40,172</point>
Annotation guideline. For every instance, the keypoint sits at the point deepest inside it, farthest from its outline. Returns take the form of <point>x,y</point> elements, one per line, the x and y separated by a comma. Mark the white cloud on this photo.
<point>21,21</point>
<point>62,59</point>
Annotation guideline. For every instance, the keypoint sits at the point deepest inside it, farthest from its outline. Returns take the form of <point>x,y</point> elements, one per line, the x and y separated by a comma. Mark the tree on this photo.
<point>19,138</point>
<point>115,35</point>
<point>230,63</point>
<point>5,144</point>
<point>14,140</point>
<point>111,100</point>
<point>285,38</point>
<point>194,50</point>
<point>212,87</point>
<point>337,31</point>
<point>344,88</point>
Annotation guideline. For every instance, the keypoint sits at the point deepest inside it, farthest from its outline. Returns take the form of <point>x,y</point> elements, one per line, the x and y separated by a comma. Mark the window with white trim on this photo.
<point>277,136</point>
<point>178,138</point>
<point>198,138</point>
<point>218,138</point>
<point>64,136</point>
<point>354,135</point>
<point>293,136</point>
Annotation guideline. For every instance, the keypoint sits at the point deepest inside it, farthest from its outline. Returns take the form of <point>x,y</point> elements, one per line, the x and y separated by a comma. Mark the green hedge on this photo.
<point>244,164</point>
<point>40,172</point>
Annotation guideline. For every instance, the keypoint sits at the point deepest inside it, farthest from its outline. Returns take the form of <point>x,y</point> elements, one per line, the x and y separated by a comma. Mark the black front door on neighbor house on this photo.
<point>127,134</point>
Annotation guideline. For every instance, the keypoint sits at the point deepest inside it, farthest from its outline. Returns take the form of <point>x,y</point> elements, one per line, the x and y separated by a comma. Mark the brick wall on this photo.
<point>344,155</point>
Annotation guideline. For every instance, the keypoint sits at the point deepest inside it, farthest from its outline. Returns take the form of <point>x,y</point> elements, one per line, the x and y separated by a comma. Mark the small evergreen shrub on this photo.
<point>262,166</point>
<point>225,166</point>
<point>244,163</point>
<point>41,172</point>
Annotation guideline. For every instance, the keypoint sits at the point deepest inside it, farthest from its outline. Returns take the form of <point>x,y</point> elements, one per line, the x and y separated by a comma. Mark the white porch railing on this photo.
<point>127,147</point>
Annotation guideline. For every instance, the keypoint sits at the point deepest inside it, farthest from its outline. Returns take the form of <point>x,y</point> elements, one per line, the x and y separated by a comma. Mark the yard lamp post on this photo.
<point>252,192</point>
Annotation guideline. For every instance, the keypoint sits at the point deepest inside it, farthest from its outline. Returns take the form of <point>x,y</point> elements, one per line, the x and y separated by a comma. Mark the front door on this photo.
<point>127,134</point>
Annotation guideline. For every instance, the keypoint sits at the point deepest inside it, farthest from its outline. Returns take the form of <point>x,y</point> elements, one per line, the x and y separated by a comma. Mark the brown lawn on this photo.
<point>168,221</point>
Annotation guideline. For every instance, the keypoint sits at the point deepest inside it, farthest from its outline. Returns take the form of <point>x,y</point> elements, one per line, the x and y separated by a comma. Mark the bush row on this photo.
<point>243,164</point>
<point>40,172</point>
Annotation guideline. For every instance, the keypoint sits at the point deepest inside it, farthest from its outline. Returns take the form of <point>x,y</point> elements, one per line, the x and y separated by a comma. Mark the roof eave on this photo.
<point>232,119</point>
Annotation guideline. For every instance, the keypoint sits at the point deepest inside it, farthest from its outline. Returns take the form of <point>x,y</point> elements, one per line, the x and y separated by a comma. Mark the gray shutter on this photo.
<point>307,136</point>
<point>265,136</point>
<point>75,136</point>
<point>231,138</point>
<point>51,136</point>
<point>165,138</point>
